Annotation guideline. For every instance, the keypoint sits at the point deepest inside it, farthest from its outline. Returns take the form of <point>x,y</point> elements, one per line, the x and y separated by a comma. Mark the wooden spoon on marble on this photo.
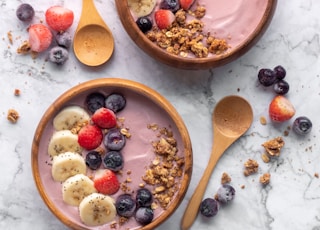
<point>93,43</point>
<point>231,118</point>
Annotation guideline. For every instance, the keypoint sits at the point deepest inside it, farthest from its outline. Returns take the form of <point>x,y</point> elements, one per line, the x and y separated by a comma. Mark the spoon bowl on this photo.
<point>93,42</point>
<point>231,118</point>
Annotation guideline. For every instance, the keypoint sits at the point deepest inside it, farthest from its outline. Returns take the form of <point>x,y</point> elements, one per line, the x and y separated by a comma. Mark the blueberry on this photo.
<point>115,102</point>
<point>144,24</point>
<point>209,207</point>
<point>302,125</point>
<point>280,72</point>
<point>93,160</point>
<point>173,5</point>
<point>25,12</point>
<point>95,101</point>
<point>267,77</point>
<point>281,87</point>
<point>113,160</point>
<point>58,55</point>
<point>144,215</point>
<point>144,197</point>
<point>125,205</point>
<point>64,39</point>
<point>225,193</point>
<point>114,140</point>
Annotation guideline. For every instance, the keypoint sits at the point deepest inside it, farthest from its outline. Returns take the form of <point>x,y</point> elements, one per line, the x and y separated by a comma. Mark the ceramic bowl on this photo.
<point>239,22</point>
<point>145,108</point>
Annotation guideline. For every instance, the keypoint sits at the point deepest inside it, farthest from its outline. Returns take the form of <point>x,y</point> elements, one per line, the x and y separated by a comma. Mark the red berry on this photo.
<point>164,18</point>
<point>90,137</point>
<point>186,4</point>
<point>281,109</point>
<point>106,182</point>
<point>59,18</point>
<point>104,118</point>
<point>40,37</point>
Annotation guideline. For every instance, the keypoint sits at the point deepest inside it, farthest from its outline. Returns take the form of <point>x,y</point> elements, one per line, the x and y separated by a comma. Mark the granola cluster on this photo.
<point>165,169</point>
<point>251,167</point>
<point>187,37</point>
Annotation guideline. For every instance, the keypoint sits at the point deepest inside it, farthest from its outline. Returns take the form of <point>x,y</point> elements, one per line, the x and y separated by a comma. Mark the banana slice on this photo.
<point>141,7</point>
<point>63,141</point>
<point>66,165</point>
<point>77,187</point>
<point>97,209</point>
<point>70,117</point>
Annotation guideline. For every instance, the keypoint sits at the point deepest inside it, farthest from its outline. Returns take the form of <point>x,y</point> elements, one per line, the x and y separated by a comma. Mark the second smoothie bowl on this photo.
<point>195,34</point>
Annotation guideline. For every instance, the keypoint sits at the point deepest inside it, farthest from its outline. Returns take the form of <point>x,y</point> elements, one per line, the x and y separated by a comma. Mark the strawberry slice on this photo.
<point>164,18</point>
<point>40,37</point>
<point>104,118</point>
<point>186,4</point>
<point>59,18</point>
<point>90,137</point>
<point>106,182</point>
<point>281,109</point>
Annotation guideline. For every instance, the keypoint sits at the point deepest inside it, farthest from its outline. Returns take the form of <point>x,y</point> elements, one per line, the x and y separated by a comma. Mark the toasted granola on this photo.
<point>13,115</point>
<point>273,147</point>
<point>225,178</point>
<point>251,167</point>
<point>265,178</point>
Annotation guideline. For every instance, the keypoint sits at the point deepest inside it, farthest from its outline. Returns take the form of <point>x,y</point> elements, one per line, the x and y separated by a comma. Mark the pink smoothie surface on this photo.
<point>138,151</point>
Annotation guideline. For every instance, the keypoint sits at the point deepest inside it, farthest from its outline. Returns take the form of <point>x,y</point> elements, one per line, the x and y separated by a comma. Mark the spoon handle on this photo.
<point>191,211</point>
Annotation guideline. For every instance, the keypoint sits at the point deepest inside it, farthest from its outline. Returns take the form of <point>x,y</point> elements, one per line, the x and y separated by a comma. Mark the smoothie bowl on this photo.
<point>195,34</point>
<point>111,154</point>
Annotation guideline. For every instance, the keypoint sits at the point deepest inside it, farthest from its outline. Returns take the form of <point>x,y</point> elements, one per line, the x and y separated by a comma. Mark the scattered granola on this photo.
<point>316,175</point>
<point>25,48</point>
<point>263,120</point>
<point>17,92</point>
<point>273,147</point>
<point>265,158</point>
<point>225,178</point>
<point>13,115</point>
<point>251,167</point>
<point>265,178</point>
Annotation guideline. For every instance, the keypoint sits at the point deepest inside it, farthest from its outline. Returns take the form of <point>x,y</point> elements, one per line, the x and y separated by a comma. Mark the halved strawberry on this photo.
<point>281,109</point>
<point>90,137</point>
<point>186,4</point>
<point>164,18</point>
<point>59,18</point>
<point>104,118</point>
<point>106,182</point>
<point>40,37</point>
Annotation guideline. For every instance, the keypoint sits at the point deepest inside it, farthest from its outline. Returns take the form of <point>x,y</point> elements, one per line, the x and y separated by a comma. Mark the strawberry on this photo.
<point>40,37</point>
<point>164,18</point>
<point>104,118</point>
<point>186,4</point>
<point>281,109</point>
<point>59,18</point>
<point>90,137</point>
<point>106,181</point>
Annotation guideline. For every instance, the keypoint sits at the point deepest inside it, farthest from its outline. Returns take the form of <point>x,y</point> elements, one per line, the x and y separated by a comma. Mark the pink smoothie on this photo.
<point>138,151</point>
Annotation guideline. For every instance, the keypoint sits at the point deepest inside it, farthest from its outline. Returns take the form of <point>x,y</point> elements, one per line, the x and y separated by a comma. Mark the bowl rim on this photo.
<point>144,90</point>
<point>188,63</point>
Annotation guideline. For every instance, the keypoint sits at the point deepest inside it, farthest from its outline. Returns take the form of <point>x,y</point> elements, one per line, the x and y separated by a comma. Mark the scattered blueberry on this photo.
<point>267,77</point>
<point>280,72</point>
<point>173,5</point>
<point>25,12</point>
<point>125,205</point>
<point>302,125</point>
<point>64,39</point>
<point>209,207</point>
<point>144,197</point>
<point>281,87</point>
<point>144,24</point>
<point>115,102</point>
<point>225,193</point>
<point>113,160</point>
<point>95,101</point>
<point>93,160</point>
<point>58,55</point>
<point>144,215</point>
<point>114,140</point>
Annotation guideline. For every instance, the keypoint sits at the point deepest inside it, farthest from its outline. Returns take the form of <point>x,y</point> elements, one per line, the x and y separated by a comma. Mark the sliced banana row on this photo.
<point>141,8</point>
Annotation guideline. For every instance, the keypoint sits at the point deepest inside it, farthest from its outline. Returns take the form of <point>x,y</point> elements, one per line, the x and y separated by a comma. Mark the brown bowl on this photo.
<point>144,106</point>
<point>178,61</point>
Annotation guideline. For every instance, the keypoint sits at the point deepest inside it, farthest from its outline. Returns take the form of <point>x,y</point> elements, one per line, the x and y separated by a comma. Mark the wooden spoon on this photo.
<point>93,42</point>
<point>231,118</point>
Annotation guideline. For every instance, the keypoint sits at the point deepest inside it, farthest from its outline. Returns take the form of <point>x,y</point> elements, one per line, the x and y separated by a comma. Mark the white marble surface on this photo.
<point>291,201</point>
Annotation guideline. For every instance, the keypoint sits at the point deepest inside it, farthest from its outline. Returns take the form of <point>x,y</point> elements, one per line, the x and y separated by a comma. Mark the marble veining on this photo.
<point>290,201</point>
